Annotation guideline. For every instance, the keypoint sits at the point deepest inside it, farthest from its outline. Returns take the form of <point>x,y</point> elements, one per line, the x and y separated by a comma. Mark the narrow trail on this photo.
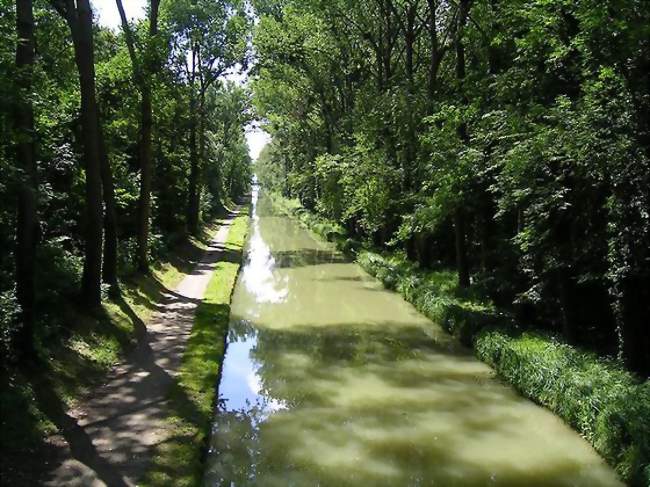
<point>110,438</point>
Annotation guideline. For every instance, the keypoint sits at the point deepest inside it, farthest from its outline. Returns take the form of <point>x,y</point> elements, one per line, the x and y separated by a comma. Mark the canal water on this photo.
<point>330,380</point>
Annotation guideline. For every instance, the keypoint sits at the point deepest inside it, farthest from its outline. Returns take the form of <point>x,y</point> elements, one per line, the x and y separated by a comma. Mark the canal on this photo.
<point>330,380</point>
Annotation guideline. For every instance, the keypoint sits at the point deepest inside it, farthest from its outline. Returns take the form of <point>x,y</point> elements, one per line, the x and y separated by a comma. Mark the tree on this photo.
<point>459,213</point>
<point>211,39</point>
<point>144,68</point>
<point>78,16</point>
<point>27,217</point>
<point>509,139</point>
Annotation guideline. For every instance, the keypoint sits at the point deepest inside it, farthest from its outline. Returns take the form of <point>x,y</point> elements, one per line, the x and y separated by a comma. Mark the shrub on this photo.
<point>9,326</point>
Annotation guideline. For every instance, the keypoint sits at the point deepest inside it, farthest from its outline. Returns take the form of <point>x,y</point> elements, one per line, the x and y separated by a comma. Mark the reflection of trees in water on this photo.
<point>249,448</point>
<point>235,448</point>
<point>306,257</point>
<point>326,350</point>
<point>265,206</point>
<point>317,372</point>
<point>240,330</point>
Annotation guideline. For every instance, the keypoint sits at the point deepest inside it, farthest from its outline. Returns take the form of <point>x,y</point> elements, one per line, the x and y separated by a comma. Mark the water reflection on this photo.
<point>340,383</point>
<point>257,274</point>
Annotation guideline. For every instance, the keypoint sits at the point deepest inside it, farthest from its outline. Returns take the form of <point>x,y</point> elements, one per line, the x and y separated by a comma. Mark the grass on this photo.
<point>598,398</point>
<point>178,460</point>
<point>606,404</point>
<point>142,292</point>
<point>76,352</point>
<point>34,399</point>
<point>182,260</point>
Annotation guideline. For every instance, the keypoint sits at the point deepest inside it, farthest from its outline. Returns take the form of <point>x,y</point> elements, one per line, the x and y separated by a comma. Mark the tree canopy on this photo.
<point>136,138</point>
<point>508,139</point>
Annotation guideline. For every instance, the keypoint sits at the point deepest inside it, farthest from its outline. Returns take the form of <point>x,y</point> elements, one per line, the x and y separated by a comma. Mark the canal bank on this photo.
<point>329,379</point>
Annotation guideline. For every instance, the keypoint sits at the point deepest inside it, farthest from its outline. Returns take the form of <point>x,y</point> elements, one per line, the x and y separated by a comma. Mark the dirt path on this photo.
<point>111,437</point>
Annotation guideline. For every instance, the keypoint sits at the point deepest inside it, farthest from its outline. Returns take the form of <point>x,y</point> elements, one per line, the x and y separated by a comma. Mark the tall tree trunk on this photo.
<point>27,219</point>
<point>436,53</point>
<point>411,139</point>
<point>79,19</point>
<point>567,304</point>
<point>433,46</point>
<point>461,248</point>
<point>202,150</point>
<point>143,72</point>
<point>146,171</point>
<point>459,214</point>
<point>409,43</point>
<point>633,319</point>
<point>110,217</point>
<point>193,193</point>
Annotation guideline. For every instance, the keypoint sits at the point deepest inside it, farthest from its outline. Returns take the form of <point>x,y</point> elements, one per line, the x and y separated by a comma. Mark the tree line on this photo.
<point>510,140</point>
<point>114,145</point>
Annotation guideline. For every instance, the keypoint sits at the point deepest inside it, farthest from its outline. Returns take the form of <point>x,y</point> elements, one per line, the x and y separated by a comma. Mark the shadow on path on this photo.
<point>112,436</point>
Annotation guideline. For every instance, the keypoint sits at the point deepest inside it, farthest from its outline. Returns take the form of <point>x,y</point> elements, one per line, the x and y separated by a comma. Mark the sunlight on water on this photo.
<point>330,380</point>
<point>258,277</point>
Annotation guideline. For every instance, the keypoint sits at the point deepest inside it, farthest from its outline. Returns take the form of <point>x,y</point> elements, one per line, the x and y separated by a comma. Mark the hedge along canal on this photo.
<point>329,379</point>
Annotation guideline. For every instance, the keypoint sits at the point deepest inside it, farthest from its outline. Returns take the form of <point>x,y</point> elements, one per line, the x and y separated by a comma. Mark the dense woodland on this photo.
<point>114,146</point>
<point>488,159</point>
<point>508,140</point>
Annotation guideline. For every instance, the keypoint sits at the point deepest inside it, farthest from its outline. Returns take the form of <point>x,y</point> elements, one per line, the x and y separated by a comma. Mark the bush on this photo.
<point>598,398</point>
<point>9,326</point>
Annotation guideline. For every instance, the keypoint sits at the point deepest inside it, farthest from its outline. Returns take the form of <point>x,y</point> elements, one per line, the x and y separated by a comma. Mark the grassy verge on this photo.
<point>607,405</point>
<point>178,460</point>
<point>598,398</point>
<point>142,293</point>
<point>76,350</point>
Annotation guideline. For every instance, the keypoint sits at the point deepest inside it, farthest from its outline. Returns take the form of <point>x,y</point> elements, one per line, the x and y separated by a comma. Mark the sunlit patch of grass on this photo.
<point>178,460</point>
<point>181,260</point>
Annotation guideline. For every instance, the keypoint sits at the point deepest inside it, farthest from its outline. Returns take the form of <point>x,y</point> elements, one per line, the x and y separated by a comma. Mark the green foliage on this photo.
<point>9,326</point>
<point>525,160</point>
<point>605,403</point>
<point>221,29</point>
